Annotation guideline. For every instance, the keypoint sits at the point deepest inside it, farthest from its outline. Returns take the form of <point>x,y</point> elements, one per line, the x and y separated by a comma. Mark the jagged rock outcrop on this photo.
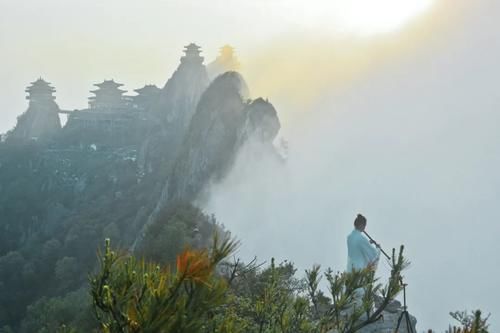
<point>42,118</point>
<point>262,122</point>
<point>388,323</point>
<point>180,95</point>
<point>212,138</point>
<point>226,61</point>
<point>389,320</point>
<point>225,119</point>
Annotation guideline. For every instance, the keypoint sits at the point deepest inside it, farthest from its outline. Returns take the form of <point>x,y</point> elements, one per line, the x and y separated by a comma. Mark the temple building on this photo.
<point>40,91</point>
<point>109,96</point>
<point>146,97</point>
<point>42,118</point>
<point>112,117</point>
<point>225,61</point>
<point>192,54</point>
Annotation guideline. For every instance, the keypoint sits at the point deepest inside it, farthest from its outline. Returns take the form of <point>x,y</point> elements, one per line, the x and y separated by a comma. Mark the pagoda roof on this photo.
<point>147,89</point>
<point>108,87</point>
<point>192,46</point>
<point>108,90</point>
<point>192,49</point>
<point>108,84</point>
<point>40,85</point>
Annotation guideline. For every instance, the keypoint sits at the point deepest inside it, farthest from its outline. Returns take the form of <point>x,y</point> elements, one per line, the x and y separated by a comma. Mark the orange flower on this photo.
<point>194,265</point>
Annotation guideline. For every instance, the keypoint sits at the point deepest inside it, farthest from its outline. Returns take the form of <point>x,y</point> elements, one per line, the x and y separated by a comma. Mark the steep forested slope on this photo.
<point>60,197</point>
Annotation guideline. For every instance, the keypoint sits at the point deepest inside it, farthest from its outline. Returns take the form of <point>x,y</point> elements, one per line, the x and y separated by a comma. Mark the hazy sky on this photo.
<point>386,114</point>
<point>76,43</point>
<point>412,143</point>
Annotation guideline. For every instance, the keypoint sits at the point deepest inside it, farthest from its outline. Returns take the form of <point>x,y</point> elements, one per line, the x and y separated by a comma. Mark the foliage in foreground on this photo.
<point>134,296</point>
<point>469,322</point>
<point>205,293</point>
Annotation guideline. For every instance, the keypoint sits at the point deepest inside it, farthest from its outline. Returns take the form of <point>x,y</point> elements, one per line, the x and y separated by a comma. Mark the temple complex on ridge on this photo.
<point>112,113</point>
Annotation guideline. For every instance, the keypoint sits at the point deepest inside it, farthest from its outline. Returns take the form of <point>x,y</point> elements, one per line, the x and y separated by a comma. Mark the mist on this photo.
<point>414,146</point>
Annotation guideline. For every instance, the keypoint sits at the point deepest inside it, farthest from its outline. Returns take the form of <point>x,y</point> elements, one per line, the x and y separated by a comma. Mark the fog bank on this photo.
<point>414,145</point>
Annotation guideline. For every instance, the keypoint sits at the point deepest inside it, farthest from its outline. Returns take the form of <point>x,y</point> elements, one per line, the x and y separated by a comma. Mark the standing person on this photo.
<point>360,252</point>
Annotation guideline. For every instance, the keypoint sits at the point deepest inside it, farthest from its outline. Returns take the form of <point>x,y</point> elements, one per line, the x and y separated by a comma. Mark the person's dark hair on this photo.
<point>360,221</point>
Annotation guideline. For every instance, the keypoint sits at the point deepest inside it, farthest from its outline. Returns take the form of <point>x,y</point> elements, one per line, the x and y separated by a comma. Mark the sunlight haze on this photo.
<point>76,44</point>
<point>363,17</point>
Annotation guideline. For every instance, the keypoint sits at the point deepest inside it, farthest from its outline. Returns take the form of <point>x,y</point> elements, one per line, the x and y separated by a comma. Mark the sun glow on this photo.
<point>362,17</point>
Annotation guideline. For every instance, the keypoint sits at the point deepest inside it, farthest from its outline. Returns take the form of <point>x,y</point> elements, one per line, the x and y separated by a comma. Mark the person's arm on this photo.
<point>370,252</point>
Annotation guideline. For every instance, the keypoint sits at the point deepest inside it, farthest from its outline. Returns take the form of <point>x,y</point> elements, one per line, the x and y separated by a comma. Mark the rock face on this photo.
<point>180,95</point>
<point>42,118</point>
<point>261,123</point>
<point>224,120</point>
<point>390,318</point>
<point>388,324</point>
<point>389,321</point>
<point>212,137</point>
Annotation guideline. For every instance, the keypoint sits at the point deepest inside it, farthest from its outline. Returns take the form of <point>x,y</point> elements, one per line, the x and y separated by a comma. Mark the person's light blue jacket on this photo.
<point>360,253</point>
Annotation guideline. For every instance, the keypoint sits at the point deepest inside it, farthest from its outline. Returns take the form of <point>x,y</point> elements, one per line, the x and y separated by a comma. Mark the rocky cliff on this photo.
<point>224,120</point>
<point>178,99</point>
<point>60,198</point>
